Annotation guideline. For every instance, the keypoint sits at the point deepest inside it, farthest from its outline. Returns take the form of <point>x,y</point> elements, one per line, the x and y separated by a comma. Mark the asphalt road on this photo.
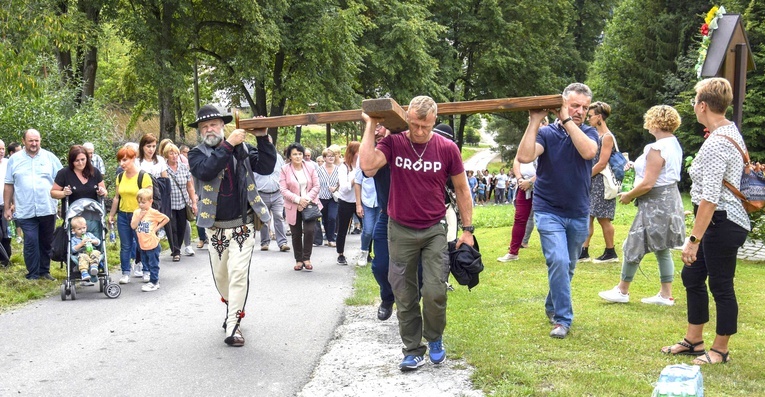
<point>170,342</point>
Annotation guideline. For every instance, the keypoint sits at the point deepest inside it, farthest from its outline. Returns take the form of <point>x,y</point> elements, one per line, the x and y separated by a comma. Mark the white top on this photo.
<point>303,182</point>
<point>346,178</point>
<point>501,181</point>
<point>670,150</point>
<point>528,170</point>
<point>155,169</point>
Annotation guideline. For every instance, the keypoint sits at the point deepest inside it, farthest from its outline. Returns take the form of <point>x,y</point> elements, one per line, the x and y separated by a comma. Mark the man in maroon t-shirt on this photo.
<point>420,164</point>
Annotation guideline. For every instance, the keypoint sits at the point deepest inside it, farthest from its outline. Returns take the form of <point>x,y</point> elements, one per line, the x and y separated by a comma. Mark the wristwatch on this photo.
<point>693,239</point>
<point>470,229</point>
<point>566,121</point>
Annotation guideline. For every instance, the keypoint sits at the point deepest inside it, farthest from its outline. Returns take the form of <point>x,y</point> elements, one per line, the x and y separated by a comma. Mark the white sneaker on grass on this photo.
<point>362,261</point>
<point>659,300</point>
<point>615,295</point>
<point>508,257</point>
<point>150,287</point>
<point>124,279</point>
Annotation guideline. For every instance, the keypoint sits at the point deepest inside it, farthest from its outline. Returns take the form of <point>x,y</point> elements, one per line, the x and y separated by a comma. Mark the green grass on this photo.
<point>613,349</point>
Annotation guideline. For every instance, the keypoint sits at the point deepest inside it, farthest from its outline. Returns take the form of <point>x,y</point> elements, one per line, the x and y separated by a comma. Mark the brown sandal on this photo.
<point>299,266</point>
<point>308,266</point>
<point>687,344</point>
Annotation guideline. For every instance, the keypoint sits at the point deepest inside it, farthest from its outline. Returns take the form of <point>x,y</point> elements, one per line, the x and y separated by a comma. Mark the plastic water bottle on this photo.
<point>112,236</point>
<point>629,180</point>
<point>12,229</point>
<point>88,247</point>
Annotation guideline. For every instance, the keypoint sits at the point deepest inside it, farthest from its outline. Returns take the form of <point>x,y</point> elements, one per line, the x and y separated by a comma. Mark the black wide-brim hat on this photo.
<point>210,112</point>
<point>445,131</point>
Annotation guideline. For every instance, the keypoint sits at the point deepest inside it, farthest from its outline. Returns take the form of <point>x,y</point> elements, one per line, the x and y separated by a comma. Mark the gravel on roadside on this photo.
<point>362,360</point>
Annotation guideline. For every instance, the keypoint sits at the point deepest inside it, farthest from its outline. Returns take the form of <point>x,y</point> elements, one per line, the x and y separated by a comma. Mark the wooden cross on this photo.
<point>394,115</point>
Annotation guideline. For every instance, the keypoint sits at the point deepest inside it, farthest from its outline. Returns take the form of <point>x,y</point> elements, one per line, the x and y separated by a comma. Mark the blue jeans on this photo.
<point>329,218</point>
<point>150,259</point>
<point>38,239</point>
<point>127,240</point>
<point>371,215</point>
<point>380,262</point>
<point>562,240</point>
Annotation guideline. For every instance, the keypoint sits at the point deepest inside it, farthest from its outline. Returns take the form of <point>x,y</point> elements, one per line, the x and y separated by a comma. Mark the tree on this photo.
<point>303,55</point>
<point>753,124</point>
<point>77,55</point>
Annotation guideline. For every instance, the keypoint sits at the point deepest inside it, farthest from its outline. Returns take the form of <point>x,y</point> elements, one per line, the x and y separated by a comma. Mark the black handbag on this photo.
<point>311,212</point>
<point>59,245</point>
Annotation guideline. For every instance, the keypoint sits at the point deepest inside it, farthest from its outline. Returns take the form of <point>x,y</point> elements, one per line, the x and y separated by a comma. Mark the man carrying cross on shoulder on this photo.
<point>420,161</point>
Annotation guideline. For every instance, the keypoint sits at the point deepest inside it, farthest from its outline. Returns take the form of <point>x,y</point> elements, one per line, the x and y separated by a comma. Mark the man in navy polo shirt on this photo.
<point>561,203</point>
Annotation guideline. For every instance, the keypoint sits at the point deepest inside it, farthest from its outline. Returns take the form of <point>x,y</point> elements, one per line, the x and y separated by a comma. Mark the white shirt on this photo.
<point>155,169</point>
<point>670,150</point>
<point>346,178</point>
<point>501,181</point>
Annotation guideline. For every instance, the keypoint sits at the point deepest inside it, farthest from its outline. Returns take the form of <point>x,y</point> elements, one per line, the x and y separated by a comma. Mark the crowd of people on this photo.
<point>233,190</point>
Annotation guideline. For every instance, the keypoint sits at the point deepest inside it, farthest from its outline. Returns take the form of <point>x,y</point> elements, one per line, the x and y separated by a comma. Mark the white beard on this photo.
<point>213,140</point>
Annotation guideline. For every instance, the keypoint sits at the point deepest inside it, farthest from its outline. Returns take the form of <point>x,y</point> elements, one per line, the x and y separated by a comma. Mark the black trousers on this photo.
<point>302,238</point>
<point>345,211</point>
<point>716,262</point>
<point>178,228</point>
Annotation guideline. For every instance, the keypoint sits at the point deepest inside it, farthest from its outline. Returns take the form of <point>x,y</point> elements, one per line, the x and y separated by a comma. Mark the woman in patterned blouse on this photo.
<point>720,227</point>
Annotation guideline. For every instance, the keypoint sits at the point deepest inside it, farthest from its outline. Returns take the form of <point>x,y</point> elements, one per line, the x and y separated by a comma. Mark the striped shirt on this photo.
<point>326,181</point>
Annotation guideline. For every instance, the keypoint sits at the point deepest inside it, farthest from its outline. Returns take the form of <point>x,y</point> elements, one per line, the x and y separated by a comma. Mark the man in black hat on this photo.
<point>230,208</point>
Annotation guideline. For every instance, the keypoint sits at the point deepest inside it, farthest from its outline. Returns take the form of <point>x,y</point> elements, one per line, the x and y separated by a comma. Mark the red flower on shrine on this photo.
<point>705,30</point>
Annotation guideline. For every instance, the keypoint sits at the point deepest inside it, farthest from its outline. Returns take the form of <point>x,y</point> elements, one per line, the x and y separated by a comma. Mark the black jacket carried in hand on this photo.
<point>465,263</point>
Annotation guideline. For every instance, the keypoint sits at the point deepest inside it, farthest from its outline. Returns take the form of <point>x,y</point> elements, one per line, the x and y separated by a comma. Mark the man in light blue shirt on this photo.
<point>268,189</point>
<point>28,181</point>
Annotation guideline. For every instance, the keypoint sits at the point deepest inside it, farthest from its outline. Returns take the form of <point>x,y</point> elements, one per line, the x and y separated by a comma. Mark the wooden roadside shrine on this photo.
<point>394,115</point>
<point>729,56</point>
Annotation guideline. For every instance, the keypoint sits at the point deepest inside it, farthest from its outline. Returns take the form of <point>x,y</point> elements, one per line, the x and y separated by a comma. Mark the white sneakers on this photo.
<point>659,300</point>
<point>188,251</point>
<point>124,279</point>
<point>615,295</point>
<point>138,270</point>
<point>362,261</point>
<point>150,287</point>
<point>508,257</point>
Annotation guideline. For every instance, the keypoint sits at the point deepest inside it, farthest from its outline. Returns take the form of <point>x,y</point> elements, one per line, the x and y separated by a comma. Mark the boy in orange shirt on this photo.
<point>146,222</point>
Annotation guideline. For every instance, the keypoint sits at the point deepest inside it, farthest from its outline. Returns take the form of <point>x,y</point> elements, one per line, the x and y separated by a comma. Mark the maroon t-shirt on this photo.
<point>416,196</point>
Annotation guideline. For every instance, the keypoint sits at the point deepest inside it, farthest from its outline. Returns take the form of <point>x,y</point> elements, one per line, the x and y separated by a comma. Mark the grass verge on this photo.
<point>613,349</point>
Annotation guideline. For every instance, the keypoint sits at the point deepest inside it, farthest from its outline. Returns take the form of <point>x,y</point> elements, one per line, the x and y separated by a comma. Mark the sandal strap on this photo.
<point>724,356</point>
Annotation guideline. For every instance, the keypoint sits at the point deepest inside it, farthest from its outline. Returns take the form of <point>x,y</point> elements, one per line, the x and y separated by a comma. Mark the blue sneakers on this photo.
<point>436,352</point>
<point>411,363</point>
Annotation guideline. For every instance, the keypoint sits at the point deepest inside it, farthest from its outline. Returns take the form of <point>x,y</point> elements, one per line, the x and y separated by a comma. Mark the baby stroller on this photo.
<point>93,212</point>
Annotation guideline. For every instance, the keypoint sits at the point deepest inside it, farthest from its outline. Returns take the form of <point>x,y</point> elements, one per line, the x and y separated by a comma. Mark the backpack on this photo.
<point>752,193</point>
<point>617,161</point>
<point>158,188</point>
<point>59,245</point>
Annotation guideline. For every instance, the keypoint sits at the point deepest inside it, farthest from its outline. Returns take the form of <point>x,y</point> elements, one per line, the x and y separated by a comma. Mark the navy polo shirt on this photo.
<point>563,177</point>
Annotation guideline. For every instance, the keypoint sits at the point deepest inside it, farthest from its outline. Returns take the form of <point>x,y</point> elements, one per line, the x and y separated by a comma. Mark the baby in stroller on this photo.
<point>82,243</point>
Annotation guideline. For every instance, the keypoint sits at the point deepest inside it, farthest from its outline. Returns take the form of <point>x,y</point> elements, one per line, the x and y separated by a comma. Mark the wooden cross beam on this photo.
<point>394,115</point>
